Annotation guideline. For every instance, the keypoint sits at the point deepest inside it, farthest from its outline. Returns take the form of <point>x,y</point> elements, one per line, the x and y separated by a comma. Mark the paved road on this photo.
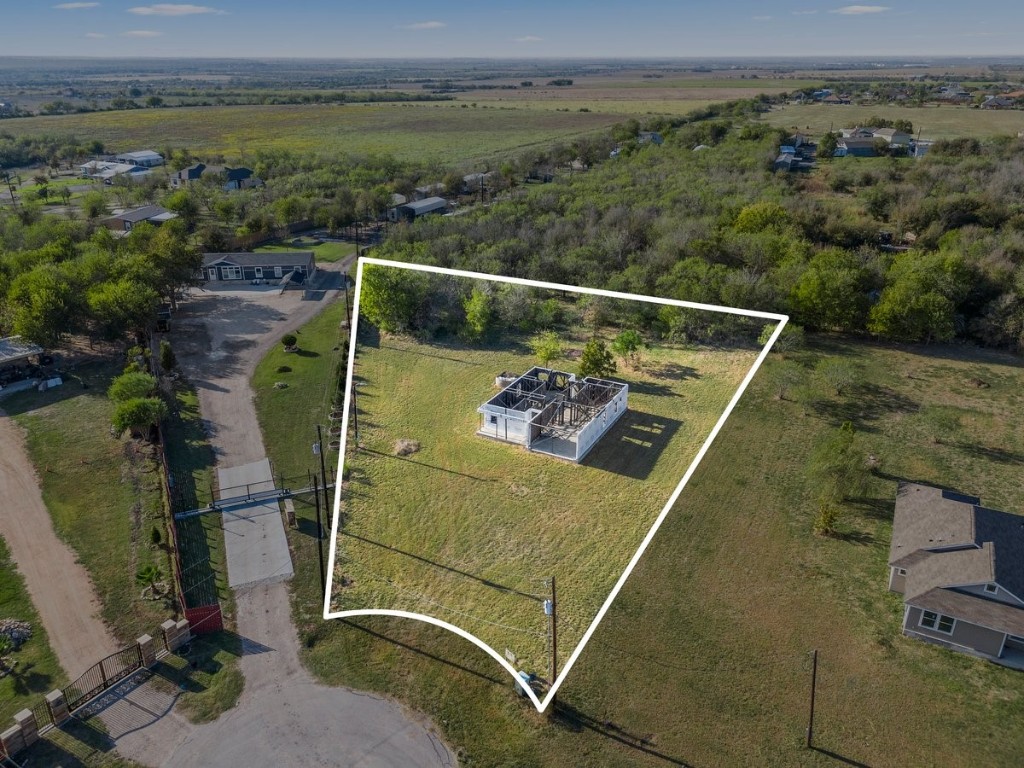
<point>284,718</point>
<point>58,584</point>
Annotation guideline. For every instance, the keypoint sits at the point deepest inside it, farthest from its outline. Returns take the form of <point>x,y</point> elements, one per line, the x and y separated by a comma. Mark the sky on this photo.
<point>507,28</point>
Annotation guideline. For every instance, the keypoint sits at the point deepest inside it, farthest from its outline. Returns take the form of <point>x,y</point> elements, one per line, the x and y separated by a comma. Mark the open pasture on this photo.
<point>468,529</point>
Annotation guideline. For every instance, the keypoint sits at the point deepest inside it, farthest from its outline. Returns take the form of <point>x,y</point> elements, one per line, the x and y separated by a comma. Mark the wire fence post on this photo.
<point>814,685</point>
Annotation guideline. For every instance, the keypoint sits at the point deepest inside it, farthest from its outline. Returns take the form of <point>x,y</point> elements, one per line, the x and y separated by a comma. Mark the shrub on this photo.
<point>167,359</point>
<point>289,340</point>
<point>129,386</point>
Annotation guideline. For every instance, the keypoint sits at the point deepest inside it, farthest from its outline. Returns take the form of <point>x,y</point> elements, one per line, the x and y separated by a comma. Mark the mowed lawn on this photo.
<point>36,670</point>
<point>934,122</point>
<point>445,132</point>
<point>704,659</point>
<point>103,493</point>
<point>324,252</point>
<point>467,528</point>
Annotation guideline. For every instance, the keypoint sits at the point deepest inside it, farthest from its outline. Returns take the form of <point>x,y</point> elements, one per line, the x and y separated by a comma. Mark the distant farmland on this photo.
<point>934,122</point>
<point>443,132</point>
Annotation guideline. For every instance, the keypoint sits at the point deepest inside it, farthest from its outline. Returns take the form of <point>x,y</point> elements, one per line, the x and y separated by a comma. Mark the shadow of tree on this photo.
<point>997,455</point>
<point>864,405</point>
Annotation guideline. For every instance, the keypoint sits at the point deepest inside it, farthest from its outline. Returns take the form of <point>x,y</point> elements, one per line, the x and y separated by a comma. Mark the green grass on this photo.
<point>288,417</point>
<point>467,528</point>
<point>324,252</point>
<point>934,122</point>
<point>76,745</point>
<point>421,132</point>
<point>207,677</point>
<point>704,657</point>
<point>104,494</point>
<point>36,669</point>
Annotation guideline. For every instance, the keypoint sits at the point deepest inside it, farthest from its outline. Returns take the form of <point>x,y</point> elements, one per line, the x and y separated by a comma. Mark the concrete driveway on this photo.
<point>284,717</point>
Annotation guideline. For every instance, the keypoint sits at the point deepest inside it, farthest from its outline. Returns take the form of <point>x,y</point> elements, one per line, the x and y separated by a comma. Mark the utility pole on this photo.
<point>551,609</point>
<point>355,413</point>
<point>323,469</point>
<point>814,685</point>
<point>319,538</point>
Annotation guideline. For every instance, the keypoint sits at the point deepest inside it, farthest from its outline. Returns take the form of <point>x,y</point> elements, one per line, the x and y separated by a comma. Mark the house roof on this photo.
<point>14,348</point>
<point>851,142</point>
<point>426,205</point>
<point>145,213</point>
<point>929,518</point>
<point>192,172</point>
<point>1001,617</point>
<point>951,569</point>
<point>231,174</point>
<point>263,259</point>
<point>143,154</point>
<point>945,540</point>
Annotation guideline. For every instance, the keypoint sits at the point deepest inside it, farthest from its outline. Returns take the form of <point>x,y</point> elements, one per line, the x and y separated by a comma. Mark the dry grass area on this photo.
<point>468,528</point>
<point>704,659</point>
<point>934,122</point>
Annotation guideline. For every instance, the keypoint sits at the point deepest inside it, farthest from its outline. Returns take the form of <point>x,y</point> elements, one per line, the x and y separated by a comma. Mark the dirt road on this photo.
<point>59,586</point>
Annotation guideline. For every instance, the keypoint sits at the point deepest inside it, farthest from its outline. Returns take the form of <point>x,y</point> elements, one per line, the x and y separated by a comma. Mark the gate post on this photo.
<point>168,631</point>
<point>147,650</point>
<point>26,720</point>
<point>11,741</point>
<point>58,706</point>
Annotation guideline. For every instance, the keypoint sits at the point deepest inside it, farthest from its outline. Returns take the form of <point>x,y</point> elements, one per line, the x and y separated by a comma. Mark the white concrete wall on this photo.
<point>594,431</point>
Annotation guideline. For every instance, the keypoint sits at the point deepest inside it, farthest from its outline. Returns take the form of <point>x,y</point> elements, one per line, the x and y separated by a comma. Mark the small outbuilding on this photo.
<point>412,211</point>
<point>126,220</point>
<point>147,158</point>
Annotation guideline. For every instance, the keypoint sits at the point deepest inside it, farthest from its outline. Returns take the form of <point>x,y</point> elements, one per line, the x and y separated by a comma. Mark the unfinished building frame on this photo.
<point>553,412</point>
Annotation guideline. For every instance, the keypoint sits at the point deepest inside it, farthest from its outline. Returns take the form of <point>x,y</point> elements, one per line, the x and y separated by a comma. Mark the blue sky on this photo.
<point>503,28</point>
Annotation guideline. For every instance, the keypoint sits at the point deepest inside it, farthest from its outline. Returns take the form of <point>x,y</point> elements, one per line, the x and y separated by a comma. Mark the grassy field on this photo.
<point>704,659</point>
<point>103,493</point>
<point>445,132</point>
<point>933,122</point>
<point>467,528</point>
<point>324,252</point>
<point>36,669</point>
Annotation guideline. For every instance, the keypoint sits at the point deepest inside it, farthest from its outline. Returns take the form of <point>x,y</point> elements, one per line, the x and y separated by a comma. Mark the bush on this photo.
<point>129,386</point>
<point>167,359</point>
<point>289,340</point>
<point>138,414</point>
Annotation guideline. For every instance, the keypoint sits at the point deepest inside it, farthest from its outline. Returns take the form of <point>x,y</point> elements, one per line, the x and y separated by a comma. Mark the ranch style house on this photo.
<point>293,266</point>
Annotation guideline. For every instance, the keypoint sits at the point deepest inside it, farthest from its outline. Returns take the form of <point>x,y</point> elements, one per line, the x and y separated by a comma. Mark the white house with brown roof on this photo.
<point>960,569</point>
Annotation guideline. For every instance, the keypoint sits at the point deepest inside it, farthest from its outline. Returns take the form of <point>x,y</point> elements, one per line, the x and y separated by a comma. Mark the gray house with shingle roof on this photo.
<point>295,266</point>
<point>960,569</point>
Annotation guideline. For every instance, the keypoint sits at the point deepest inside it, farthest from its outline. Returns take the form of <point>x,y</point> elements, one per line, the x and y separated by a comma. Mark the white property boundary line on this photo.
<point>541,705</point>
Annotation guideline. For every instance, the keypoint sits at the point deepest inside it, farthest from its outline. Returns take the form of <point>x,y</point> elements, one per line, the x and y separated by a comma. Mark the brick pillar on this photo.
<point>184,630</point>
<point>58,707</point>
<point>26,721</point>
<point>147,650</point>
<point>169,631</point>
<point>11,741</point>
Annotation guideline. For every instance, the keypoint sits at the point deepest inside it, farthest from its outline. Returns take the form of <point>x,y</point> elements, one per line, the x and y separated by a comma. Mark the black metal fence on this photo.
<point>99,677</point>
<point>42,713</point>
